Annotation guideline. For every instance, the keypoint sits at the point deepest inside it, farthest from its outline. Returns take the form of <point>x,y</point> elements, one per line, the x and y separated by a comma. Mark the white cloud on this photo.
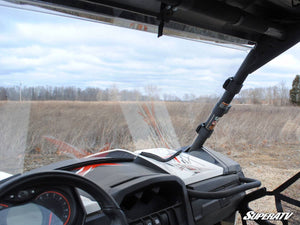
<point>287,62</point>
<point>71,52</point>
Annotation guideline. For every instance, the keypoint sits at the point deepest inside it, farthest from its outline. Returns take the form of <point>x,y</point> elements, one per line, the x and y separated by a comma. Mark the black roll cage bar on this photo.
<point>264,51</point>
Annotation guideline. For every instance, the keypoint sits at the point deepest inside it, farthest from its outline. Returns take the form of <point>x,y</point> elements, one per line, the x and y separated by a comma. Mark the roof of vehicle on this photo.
<point>247,20</point>
<point>246,23</point>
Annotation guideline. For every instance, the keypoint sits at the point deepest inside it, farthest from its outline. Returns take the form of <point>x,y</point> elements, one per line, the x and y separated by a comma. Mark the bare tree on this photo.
<point>113,93</point>
<point>152,91</point>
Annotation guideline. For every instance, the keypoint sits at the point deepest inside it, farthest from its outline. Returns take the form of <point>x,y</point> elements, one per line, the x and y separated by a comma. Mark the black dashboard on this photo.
<point>160,203</point>
<point>113,190</point>
<point>144,196</point>
<point>157,203</point>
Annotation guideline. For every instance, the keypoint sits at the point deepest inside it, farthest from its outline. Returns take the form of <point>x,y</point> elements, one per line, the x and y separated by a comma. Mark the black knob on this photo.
<point>164,219</point>
<point>23,195</point>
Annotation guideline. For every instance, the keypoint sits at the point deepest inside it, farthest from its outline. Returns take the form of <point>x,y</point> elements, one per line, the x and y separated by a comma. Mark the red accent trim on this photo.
<point>4,205</point>
<point>174,158</point>
<point>60,194</point>
<point>84,170</point>
<point>50,218</point>
<point>177,160</point>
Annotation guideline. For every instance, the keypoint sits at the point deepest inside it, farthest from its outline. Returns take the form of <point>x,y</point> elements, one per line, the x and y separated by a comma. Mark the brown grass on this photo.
<point>90,125</point>
<point>254,135</point>
<point>85,125</point>
<point>262,134</point>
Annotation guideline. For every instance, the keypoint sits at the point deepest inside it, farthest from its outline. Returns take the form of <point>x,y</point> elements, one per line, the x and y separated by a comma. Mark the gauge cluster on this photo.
<point>39,206</point>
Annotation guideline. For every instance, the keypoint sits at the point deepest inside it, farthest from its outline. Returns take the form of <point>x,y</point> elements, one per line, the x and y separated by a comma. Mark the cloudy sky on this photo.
<point>39,49</point>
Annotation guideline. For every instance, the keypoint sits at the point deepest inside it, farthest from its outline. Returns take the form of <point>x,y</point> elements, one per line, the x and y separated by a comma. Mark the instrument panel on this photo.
<point>38,206</point>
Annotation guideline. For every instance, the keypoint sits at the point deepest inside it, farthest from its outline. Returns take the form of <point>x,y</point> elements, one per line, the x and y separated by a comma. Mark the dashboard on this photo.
<point>158,203</point>
<point>123,190</point>
<point>152,200</point>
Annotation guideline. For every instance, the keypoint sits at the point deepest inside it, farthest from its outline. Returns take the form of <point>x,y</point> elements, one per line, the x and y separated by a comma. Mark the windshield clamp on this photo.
<point>166,11</point>
<point>232,86</point>
<point>203,126</point>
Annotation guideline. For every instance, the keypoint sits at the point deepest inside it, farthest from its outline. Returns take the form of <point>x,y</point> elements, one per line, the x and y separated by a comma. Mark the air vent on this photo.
<point>151,199</point>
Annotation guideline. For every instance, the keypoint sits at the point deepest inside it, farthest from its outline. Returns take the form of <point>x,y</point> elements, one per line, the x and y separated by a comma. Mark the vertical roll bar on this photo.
<point>265,50</point>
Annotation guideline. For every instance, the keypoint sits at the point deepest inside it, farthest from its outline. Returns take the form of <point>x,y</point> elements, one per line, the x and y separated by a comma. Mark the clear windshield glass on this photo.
<point>71,88</point>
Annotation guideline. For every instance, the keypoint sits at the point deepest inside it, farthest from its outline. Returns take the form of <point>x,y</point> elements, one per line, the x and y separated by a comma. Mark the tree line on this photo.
<point>41,93</point>
<point>277,95</point>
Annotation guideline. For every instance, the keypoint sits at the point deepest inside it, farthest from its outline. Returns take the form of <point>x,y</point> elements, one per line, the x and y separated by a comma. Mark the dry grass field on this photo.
<point>254,135</point>
<point>265,140</point>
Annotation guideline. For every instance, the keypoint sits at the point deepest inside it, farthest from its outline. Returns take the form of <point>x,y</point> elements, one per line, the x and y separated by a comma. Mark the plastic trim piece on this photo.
<point>248,184</point>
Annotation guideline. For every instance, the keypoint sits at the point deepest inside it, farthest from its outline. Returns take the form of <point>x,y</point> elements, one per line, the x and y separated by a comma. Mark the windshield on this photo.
<point>70,88</point>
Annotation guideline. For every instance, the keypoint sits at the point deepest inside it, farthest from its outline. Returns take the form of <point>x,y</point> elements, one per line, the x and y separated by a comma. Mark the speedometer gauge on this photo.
<point>55,207</point>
